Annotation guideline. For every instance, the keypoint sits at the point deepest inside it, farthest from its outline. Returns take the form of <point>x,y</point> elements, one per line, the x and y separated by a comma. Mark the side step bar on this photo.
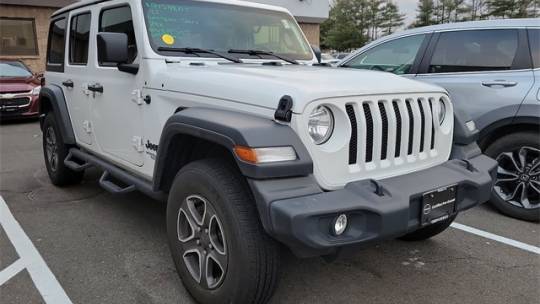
<point>113,187</point>
<point>78,160</point>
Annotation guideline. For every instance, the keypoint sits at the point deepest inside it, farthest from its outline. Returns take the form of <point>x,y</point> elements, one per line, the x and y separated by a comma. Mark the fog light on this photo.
<point>340,224</point>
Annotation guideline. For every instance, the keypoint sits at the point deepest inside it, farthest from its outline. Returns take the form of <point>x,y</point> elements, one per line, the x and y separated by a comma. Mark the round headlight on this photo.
<point>320,124</point>
<point>442,111</point>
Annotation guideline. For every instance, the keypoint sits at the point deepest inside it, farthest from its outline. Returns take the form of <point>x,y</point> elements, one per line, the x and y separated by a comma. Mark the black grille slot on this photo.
<point>422,125</point>
<point>353,142</point>
<point>411,126</point>
<point>384,119</point>
<point>432,125</point>
<point>369,132</point>
<point>14,102</point>
<point>398,128</point>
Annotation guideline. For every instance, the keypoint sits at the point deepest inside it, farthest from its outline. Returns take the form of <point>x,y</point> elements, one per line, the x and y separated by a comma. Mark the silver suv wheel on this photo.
<point>518,177</point>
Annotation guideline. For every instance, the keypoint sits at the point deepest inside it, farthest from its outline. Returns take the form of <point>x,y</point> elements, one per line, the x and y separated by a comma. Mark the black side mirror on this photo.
<point>317,52</point>
<point>112,47</point>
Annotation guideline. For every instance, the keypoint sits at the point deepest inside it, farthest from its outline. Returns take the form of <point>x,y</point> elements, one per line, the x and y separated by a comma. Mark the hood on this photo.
<point>17,84</point>
<point>263,86</point>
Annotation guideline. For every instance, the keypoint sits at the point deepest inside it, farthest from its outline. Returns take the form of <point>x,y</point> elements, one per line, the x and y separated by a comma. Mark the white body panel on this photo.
<point>251,88</point>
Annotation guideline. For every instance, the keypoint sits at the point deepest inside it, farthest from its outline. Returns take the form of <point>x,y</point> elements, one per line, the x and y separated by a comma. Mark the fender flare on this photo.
<point>55,95</point>
<point>230,129</point>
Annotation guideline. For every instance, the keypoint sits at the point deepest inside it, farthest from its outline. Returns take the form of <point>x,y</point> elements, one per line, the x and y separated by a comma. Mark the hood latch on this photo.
<point>283,111</point>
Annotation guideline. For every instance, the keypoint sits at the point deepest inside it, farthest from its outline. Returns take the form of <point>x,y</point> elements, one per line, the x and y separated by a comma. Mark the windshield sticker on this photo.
<point>167,39</point>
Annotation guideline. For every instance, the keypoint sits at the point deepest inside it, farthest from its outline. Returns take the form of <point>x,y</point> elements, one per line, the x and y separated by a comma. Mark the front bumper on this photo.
<point>302,221</point>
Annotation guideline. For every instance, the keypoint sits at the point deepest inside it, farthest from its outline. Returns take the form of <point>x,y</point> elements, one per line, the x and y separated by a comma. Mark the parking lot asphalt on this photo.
<point>103,248</point>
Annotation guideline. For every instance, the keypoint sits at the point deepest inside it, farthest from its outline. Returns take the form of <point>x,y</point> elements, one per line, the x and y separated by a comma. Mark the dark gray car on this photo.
<point>492,71</point>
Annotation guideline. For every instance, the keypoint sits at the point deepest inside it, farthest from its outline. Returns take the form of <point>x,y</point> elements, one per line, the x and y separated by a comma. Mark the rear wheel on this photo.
<point>218,245</point>
<point>517,190</point>
<point>54,152</point>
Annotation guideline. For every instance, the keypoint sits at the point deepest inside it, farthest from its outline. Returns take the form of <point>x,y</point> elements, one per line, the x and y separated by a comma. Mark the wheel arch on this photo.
<point>196,133</point>
<point>505,126</point>
<point>52,99</point>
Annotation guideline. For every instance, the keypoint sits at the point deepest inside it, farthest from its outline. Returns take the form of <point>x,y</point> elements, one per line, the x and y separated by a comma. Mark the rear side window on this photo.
<point>473,51</point>
<point>56,47</point>
<point>119,20</point>
<point>534,42</point>
<point>79,37</point>
<point>396,56</point>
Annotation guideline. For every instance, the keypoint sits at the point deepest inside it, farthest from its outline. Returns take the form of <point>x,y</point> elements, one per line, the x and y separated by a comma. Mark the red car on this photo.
<point>19,90</point>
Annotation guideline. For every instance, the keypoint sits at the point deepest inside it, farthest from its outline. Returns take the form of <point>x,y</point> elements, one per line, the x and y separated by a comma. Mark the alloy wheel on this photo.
<point>518,177</point>
<point>202,240</point>
<point>51,148</point>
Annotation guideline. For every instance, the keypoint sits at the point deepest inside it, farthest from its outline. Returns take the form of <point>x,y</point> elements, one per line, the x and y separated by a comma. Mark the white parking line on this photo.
<point>498,238</point>
<point>29,258</point>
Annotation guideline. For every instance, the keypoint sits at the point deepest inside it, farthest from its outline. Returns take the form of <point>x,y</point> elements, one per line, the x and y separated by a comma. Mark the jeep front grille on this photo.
<point>393,128</point>
<point>378,136</point>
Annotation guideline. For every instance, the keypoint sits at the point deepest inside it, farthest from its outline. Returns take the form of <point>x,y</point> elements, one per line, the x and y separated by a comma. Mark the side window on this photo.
<point>119,20</point>
<point>56,47</point>
<point>396,56</point>
<point>474,51</point>
<point>79,37</point>
<point>534,42</point>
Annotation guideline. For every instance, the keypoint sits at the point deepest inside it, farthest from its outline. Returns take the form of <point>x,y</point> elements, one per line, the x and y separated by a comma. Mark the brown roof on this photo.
<point>48,3</point>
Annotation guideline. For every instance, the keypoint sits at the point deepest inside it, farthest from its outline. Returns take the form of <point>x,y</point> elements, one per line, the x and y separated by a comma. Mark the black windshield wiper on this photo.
<point>259,53</point>
<point>188,50</point>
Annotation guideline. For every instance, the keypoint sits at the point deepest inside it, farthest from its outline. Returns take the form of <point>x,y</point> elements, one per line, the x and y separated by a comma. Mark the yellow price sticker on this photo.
<point>167,39</point>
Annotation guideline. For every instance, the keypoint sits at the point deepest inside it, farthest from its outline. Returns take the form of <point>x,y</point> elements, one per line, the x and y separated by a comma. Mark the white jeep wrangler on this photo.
<point>220,108</point>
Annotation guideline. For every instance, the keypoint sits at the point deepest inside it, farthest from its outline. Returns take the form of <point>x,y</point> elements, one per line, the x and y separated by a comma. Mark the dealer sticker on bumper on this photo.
<point>438,205</point>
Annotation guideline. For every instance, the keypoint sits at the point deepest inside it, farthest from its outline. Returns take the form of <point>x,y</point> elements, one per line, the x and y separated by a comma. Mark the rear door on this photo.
<point>485,71</point>
<point>76,76</point>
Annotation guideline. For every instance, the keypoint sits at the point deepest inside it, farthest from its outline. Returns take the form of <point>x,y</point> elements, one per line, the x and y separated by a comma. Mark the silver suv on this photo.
<point>489,68</point>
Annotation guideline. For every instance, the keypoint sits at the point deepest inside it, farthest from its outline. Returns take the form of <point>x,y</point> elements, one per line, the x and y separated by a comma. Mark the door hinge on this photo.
<point>87,126</point>
<point>136,97</point>
<point>138,144</point>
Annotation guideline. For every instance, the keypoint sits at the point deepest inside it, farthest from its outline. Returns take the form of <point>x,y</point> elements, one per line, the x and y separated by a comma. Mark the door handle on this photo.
<point>501,83</point>
<point>68,83</point>
<point>96,87</point>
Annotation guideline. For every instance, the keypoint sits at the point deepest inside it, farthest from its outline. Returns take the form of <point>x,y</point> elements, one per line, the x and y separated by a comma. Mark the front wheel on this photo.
<point>517,189</point>
<point>218,244</point>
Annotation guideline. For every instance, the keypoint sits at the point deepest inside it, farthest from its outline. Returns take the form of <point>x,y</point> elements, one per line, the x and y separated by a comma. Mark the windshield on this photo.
<point>221,27</point>
<point>13,69</point>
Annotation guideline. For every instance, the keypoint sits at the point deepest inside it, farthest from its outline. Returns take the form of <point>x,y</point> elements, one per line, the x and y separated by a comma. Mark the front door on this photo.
<point>481,69</point>
<point>117,110</point>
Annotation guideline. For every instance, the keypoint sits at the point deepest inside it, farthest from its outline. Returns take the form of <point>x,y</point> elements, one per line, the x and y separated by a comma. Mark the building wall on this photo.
<point>312,32</point>
<point>41,16</point>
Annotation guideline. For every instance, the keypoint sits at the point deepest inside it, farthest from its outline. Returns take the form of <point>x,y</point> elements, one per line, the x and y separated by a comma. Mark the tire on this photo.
<point>207,194</point>
<point>54,152</point>
<point>514,179</point>
<point>428,231</point>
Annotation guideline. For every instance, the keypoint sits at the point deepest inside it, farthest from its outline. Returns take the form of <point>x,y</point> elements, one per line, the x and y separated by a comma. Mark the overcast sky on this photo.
<point>407,7</point>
